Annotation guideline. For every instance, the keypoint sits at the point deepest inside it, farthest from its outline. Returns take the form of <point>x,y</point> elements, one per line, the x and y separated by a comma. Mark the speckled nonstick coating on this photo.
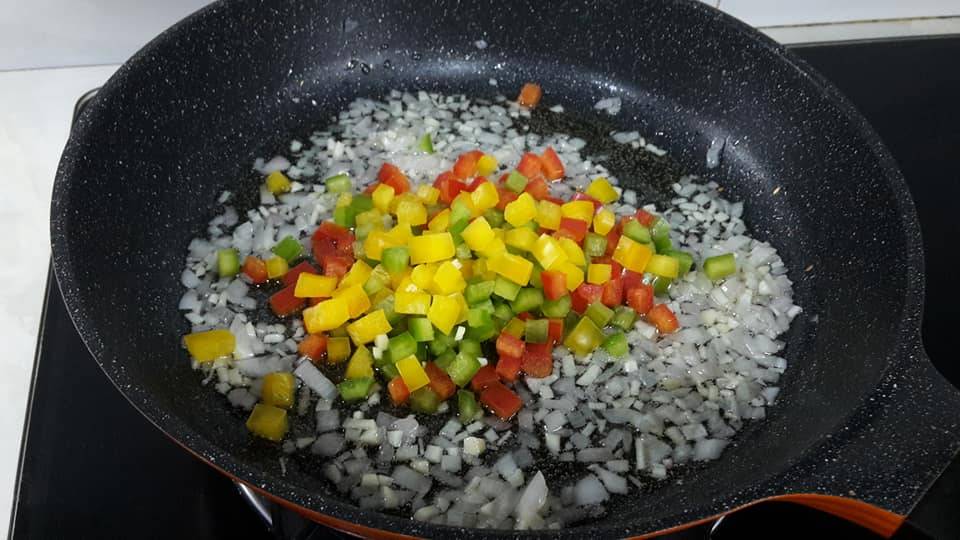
<point>862,412</point>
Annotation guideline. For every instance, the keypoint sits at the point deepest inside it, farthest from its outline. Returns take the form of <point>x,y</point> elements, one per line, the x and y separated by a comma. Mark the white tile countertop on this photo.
<point>36,107</point>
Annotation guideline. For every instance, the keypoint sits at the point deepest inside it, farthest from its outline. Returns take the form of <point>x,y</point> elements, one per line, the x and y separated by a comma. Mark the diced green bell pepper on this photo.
<point>338,184</point>
<point>684,258</point>
<point>483,332</point>
<point>502,312</point>
<point>469,409</point>
<point>478,292</point>
<point>624,317</point>
<point>389,312</point>
<point>424,400</point>
<point>594,245</point>
<point>515,182</point>
<point>720,266</point>
<point>633,230</point>
<point>584,338</point>
<point>389,370</point>
<point>471,347</point>
<point>494,217</point>
<point>402,346</point>
<point>421,329</point>
<point>478,316</point>
<point>289,248</point>
<point>661,235</point>
<point>396,259</point>
<point>355,389</point>
<point>616,344</point>
<point>463,368</point>
<point>506,289</point>
<point>444,360</point>
<point>345,216</point>
<point>228,262</point>
<point>528,299</point>
<point>361,203</point>
<point>536,331</point>
<point>425,144</point>
<point>599,314</point>
<point>463,251</point>
<point>557,309</point>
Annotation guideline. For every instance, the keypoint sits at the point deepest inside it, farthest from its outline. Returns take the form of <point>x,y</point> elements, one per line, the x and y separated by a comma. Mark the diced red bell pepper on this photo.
<point>314,346</point>
<point>466,165</point>
<point>538,362</point>
<point>509,345</point>
<point>371,188</point>
<point>284,303</point>
<point>331,238</point>
<point>645,218</point>
<point>440,382</point>
<point>584,295</point>
<point>538,189</point>
<point>502,401</point>
<point>508,368</point>
<point>612,295</point>
<point>524,316</point>
<point>552,166</point>
<point>581,196</point>
<point>506,197</point>
<point>630,279</point>
<point>292,275</point>
<point>615,268</point>
<point>392,176</point>
<point>640,298</point>
<point>449,186</point>
<point>530,166</point>
<point>613,238</point>
<point>315,301</point>
<point>573,229</point>
<point>555,331</point>
<point>336,265</point>
<point>484,377</point>
<point>255,269</point>
<point>530,95</point>
<point>554,284</point>
<point>663,318</point>
<point>398,390</point>
<point>472,186</point>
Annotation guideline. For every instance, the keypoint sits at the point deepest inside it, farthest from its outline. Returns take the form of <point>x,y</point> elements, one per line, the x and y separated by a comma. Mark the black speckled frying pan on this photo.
<point>862,415</point>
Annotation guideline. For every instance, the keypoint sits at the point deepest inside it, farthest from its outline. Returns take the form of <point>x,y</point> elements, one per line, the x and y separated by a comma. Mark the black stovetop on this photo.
<point>92,467</point>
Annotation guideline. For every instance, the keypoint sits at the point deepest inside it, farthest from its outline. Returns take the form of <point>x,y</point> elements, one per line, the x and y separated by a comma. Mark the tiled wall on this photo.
<point>50,33</point>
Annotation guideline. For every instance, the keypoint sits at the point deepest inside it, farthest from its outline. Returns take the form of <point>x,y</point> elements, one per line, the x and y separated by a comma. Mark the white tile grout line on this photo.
<point>863,30</point>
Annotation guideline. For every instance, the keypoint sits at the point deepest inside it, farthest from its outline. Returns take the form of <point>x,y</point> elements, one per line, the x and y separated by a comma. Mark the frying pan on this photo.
<point>863,424</point>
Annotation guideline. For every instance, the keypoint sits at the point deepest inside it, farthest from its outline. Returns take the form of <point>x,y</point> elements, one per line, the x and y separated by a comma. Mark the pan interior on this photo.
<point>185,118</point>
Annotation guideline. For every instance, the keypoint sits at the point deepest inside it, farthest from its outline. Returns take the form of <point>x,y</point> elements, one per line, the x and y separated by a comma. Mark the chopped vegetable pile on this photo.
<point>460,279</point>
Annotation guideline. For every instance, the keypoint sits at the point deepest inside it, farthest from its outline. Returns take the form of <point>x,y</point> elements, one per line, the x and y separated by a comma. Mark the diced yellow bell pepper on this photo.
<point>486,165</point>
<point>411,303</point>
<point>411,211</point>
<point>326,315</point>
<point>493,249</point>
<point>210,345</point>
<point>548,215</point>
<point>360,365</point>
<point>521,238</point>
<point>406,283</point>
<point>428,194</point>
<point>444,311</point>
<point>413,374</point>
<point>277,267</point>
<point>344,200</point>
<point>440,222</point>
<point>448,279</point>
<point>397,279</point>
<point>431,248</point>
<point>358,274</point>
<point>548,252</point>
<point>573,273</point>
<point>522,210</point>
<point>382,197</point>
<point>478,234</point>
<point>573,250</point>
<point>466,199</point>
<point>278,389</point>
<point>422,275</point>
<point>314,286</point>
<point>357,300</point>
<point>582,210</point>
<point>513,267</point>
<point>400,234</point>
<point>601,190</point>
<point>338,349</point>
<point>278,183</point>
<point>485,196</point>
<point>466,268</point>
<point>634,256</point>
<point>515,327</point>
<point>380,296</point>
<point>375,243</point>
<point>268,422</point>
<point>372,216</point>
<point>598,274</point>
<point>604,221</point>
<point>365,329</point>
<point>663,266</point>
<point>464,307</point>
